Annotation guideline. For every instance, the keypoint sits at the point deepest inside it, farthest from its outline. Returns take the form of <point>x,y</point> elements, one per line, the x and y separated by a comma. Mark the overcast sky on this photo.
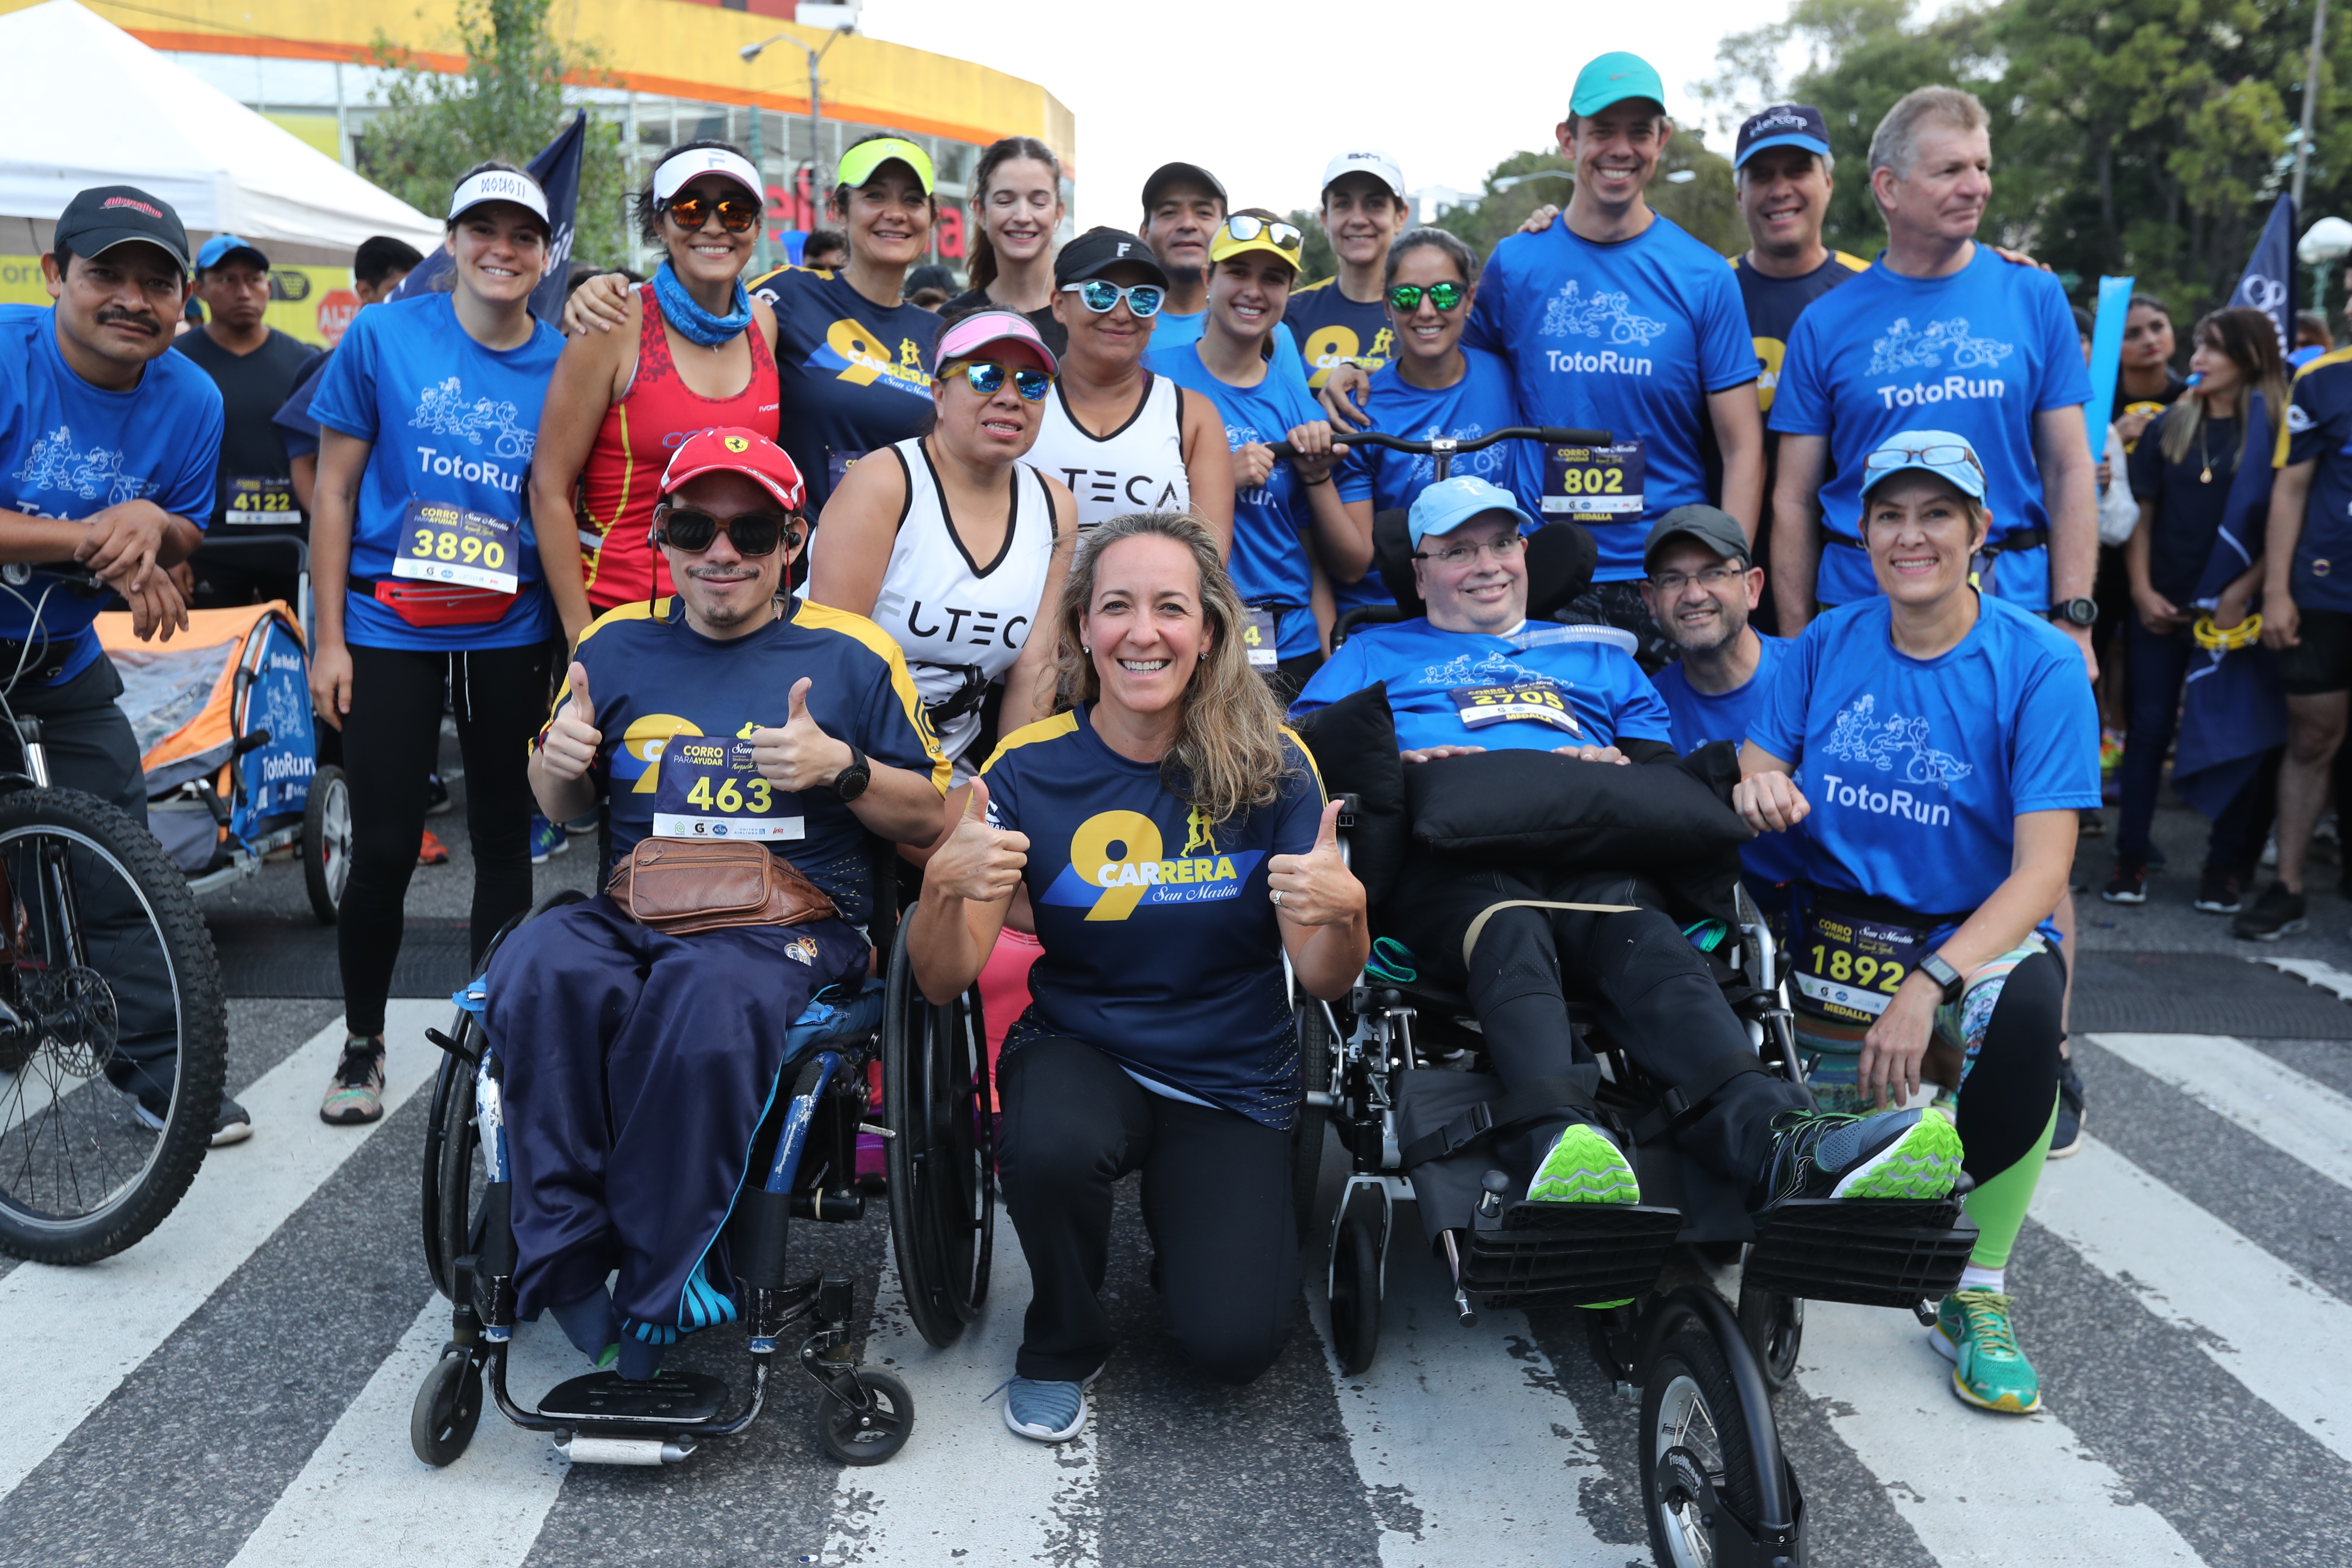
<point>1263,98</point>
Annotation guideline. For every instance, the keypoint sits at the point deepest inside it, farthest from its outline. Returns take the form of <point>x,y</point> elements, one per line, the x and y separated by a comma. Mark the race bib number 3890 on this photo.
<point>443,543</point>
<point>710,789</point>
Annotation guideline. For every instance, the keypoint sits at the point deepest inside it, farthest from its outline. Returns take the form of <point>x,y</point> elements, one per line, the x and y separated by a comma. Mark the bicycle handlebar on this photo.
<point>1549,435</point>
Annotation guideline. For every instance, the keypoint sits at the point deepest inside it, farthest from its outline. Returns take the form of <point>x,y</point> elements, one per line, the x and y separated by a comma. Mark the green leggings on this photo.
<point>2006,1027</point>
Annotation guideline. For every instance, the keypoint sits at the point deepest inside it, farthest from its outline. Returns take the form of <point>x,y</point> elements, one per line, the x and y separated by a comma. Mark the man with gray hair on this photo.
<point>1940,330</point>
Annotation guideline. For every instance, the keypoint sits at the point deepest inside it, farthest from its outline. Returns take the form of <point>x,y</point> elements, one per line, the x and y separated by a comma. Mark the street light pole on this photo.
<point>2310,98</point>
<point>816,102</point>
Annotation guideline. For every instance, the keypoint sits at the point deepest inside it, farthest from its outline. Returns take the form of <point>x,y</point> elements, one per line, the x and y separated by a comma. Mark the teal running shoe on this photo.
<point>1974,1331</point>
<point>1897,1154</point>
<point>1583,1167</point>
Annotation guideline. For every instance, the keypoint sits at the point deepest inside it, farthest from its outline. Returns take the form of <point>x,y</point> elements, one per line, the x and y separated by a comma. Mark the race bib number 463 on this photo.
<point>1599,484</point>
<point>443,543</point>
<point>1541,701</point>
<point>710,789</point>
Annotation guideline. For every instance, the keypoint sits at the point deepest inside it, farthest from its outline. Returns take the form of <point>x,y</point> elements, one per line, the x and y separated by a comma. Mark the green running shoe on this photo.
<point>1584,1167</point>
<point>1897,1154</point>
<point>1972,1328</point>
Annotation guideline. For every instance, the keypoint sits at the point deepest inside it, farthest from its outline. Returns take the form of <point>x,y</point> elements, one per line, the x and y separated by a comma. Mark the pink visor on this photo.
<point>968,336</point>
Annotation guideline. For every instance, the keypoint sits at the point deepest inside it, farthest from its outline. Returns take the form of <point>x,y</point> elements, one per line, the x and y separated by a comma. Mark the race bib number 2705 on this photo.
<point>1541,701</point>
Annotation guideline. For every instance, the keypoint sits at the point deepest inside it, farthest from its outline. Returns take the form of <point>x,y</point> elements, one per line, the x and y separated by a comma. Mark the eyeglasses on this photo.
<point>987,378</point>
<point>1510,547</point>
<point>1899,457</point>
<point>1405,297</point>
<point>1098,295</point>
<point>1714,577</point>
<point>752,534</point>
<point>736,214</point>
<point>1284,236</point>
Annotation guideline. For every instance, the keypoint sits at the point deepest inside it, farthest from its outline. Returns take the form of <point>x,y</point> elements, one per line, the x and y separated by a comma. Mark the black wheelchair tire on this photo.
<point>942,1161</point>
<point>202,1060</point>
<point>852,1440</point>
<point>448,1407</point>
<point>1690,1373</point>
<point>1356,1296</point>
<point>326,843</point>
<point>1316,1057</point>
<point>1774,1327</point>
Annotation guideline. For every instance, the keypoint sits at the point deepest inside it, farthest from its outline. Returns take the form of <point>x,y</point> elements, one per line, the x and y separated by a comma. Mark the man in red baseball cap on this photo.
<point>638,1062</point>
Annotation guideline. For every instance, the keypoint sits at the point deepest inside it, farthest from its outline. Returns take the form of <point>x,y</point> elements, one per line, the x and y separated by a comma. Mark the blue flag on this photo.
<point>2231,711</point>
<point>2106,359</point>
<point>2268,283</point>
<point>557,169</point>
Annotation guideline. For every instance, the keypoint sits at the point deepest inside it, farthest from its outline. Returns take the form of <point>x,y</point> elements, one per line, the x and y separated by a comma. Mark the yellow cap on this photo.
<point>857,165</point>
<point>1261,238</point>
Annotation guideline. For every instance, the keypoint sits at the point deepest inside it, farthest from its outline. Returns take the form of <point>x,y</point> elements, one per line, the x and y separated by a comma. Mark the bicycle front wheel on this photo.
<point>114,1029</point>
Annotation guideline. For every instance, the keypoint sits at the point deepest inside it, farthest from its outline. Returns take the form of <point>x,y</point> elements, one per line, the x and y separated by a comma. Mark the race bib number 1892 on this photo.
<point>1849,968</point>
<point>440,543</point>
<point>1594,484</point>
<point>710,789</point>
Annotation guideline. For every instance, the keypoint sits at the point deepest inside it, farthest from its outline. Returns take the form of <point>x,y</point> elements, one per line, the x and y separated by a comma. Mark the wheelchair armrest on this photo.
<point>1364,616</point>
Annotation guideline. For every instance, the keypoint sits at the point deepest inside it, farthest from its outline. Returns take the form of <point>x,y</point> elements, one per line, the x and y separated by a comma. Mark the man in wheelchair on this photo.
<point>638,1063</point>
<point>1524,931</point>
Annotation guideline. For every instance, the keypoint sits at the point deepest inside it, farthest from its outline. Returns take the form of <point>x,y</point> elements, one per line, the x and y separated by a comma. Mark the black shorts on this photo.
<point>2321,660</point>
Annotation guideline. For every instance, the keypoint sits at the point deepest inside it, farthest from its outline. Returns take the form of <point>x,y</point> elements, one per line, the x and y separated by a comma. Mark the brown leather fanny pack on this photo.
<point>681,887</point>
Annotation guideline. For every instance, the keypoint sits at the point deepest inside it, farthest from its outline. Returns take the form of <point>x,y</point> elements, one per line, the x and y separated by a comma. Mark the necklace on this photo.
<point>2203,454</point>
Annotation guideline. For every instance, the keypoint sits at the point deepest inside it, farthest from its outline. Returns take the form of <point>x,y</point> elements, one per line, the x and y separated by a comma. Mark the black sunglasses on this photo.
<point>753,533</point>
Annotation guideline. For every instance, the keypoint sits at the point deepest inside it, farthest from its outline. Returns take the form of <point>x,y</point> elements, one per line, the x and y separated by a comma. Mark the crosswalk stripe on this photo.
<point>1976,1489</point>
<point>364,1483</point>
<point>2298,1116</point>
<point>89,1328</point>
<point>2315,972</point>
<point>964,1490</point>
<point>1468,1449</point>
<point>2259,1320</point>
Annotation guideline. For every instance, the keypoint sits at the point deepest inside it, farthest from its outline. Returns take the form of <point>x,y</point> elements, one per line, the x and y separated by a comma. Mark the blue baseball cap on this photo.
<point>1613,77</point>
<point>1442,508</point>
<point>223,248</point>
<point>1937,452</point>
<point>1783,125</point>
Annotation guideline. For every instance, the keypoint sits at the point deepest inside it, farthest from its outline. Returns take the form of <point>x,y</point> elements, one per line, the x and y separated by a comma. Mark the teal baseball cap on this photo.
<point>1442,508</point>
<point>1937,452</point>
<point>1613,77</point>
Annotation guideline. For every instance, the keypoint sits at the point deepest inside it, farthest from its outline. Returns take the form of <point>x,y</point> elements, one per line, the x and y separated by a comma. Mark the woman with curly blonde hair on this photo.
<point>1176,847</point>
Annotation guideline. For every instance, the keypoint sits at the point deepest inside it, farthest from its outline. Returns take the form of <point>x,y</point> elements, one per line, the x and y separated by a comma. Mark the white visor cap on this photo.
<point>675,172</point>
<point>498,185</point>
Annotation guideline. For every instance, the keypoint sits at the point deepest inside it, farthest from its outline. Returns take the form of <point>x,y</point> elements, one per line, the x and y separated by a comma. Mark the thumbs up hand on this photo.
<point>976,861</point>
<point>800,756</point>
<point>1316,889</point>
<point>569,747</point>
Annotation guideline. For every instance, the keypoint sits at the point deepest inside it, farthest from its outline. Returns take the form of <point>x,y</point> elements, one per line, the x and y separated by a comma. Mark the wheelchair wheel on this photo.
<point>870,1436</point>
<point>448,1407</point>
<point>114,1029</point>
<point>942,1163</point>
<point>1356,1295</point>
<point>1774,1327</point>
<point>1693,1451</point>
<point>326,843</point>
<point>1318,1057</point>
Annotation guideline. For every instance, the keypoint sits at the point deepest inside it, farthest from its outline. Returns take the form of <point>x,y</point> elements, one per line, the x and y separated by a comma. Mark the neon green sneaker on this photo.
<point>1585,1166</point>
<point>1972,1329</point>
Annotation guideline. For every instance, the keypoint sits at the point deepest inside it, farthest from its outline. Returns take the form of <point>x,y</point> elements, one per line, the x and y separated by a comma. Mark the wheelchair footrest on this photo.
<point>666,1401</point>
<point>1572,1252</point>
<point>1873,1254</point>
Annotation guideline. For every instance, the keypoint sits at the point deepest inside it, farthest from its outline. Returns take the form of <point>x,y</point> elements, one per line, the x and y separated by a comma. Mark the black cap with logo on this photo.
<point>1099,250</point>
<point>98,219</point>
<point>1783,125</point>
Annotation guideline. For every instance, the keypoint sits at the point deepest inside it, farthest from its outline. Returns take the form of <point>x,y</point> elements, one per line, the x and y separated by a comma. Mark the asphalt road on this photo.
<point>236,1388</point>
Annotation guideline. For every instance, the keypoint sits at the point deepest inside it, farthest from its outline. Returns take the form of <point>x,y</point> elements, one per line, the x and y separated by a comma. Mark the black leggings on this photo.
<point>392,740</point>
<point>1216,1200</point>
<point>2009,1092</point>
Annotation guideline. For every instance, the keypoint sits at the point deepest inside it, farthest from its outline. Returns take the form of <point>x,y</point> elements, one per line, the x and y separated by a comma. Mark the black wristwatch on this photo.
<point>2076,612</point>
<point>1944,974</point>
<point>851,781</point>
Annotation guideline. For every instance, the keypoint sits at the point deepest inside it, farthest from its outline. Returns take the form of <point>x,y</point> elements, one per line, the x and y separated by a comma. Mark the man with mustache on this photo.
<point>108,447</point>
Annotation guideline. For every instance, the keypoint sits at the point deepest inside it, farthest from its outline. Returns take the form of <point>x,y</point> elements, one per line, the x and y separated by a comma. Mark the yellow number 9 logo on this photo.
<point>1137,838</point>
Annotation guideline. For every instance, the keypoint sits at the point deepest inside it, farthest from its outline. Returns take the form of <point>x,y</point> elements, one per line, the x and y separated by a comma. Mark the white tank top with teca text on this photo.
<point>1140,467</point>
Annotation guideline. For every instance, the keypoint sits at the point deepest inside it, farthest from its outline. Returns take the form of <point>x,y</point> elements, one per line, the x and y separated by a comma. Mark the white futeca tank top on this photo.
<point>1140,467</point>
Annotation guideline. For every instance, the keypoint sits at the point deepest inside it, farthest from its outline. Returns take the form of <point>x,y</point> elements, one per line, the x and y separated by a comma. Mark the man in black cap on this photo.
<point>1182,205</point>
<point>256,367</point>
<point>108,447</point>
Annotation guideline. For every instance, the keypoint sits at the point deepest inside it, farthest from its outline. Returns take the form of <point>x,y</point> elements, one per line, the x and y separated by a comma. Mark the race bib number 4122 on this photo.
<point>710,789</point>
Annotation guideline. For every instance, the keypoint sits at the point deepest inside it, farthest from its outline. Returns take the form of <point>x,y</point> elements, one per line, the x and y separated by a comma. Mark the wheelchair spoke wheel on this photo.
<point>1774,1328</point>
<point>114,1029</point>
<point>942,1163</point>
<point>1319,1059</point>
<point>448,1407</point>
<point>1694,1451</point>
<point>869,1436</point>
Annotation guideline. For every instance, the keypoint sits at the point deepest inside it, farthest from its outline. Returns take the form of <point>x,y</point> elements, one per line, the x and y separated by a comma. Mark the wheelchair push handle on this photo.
<point>1549,435</point>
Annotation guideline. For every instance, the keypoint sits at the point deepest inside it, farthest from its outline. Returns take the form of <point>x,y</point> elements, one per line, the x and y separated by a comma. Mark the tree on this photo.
<point>1317,260</point>
<point>506,105</point>
<point>1701,203</point>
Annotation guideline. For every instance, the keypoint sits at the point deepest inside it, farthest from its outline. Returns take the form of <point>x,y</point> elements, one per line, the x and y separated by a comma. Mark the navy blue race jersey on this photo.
<point>1701,717</point>
<point>1331,329</point>
<point>852,374</point>
<point>2319,427</point>
<point>1542,687</point>
<point>656,680</point>
<point>2191,498</point>
<point>1918,768</point>
<point>1161,946</point>
<point>68,449</point>
<point>1775,304</point>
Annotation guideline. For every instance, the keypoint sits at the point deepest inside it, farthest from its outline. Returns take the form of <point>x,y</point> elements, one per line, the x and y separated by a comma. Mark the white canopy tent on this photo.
<point>87,104</point>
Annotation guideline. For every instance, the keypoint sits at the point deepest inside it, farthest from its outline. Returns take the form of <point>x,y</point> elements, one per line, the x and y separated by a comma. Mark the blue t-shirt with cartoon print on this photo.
<point>1917,768</point>
<point>1163,949</point>
<point>1701,717</point>
<point>1540,689</point>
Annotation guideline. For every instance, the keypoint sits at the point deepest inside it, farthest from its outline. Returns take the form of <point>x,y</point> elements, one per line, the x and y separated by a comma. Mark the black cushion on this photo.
<point>1514,808</point>
<point>1354,745</point>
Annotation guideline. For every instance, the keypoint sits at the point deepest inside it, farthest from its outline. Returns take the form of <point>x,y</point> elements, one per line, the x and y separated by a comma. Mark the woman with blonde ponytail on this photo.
<point>1176,848</point>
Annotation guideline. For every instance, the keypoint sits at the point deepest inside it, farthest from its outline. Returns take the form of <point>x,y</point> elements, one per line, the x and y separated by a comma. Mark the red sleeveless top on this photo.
<point>623,477</point>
